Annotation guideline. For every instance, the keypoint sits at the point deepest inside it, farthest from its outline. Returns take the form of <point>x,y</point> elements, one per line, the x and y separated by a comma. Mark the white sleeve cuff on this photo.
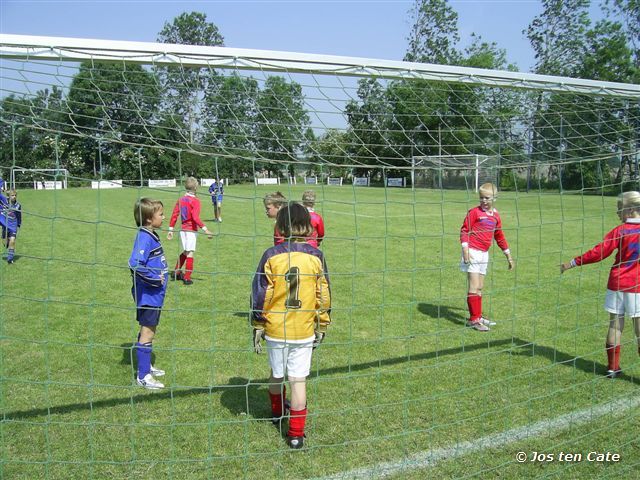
<point>465,244</point>
<point>507,251</point>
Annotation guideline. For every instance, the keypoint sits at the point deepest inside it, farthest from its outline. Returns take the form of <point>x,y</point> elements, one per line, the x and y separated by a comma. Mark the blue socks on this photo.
<point>143,353</point>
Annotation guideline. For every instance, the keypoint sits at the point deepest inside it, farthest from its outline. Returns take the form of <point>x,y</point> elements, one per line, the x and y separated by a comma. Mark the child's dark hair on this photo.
<point>293,221</point>
<point>144,209</point>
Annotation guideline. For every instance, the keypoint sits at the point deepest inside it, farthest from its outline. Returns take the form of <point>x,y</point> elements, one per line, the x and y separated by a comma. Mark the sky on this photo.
<point>354,28</point>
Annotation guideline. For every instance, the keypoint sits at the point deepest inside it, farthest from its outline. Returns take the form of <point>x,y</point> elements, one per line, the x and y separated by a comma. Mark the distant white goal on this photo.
<point>39,178</point>
<point>454,171</point>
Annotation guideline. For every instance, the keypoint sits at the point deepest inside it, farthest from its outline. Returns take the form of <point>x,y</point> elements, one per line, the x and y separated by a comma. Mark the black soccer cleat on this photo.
<point>188,282</point>
<point>296,443</point>
<point>613,373</point>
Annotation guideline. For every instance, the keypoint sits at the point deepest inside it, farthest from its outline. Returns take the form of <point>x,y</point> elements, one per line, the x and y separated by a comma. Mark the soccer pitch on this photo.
<point>399,389</point>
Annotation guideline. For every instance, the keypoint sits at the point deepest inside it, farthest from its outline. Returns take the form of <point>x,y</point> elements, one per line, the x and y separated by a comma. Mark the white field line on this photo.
<point>430,458</point>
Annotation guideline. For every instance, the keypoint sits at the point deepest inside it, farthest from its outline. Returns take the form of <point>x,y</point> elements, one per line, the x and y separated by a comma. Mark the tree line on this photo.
<point>122,120</point>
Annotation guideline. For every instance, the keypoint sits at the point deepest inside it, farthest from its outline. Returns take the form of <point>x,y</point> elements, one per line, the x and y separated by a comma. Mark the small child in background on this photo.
<point>149,272</point>
<point>188,208</point>
<point>216,190</point>
<point>273,202</point>
<point>309,201</point>
<point>623,287</point>
<point>480,227</point>
<point>290,309</point>
<point>11,221</point>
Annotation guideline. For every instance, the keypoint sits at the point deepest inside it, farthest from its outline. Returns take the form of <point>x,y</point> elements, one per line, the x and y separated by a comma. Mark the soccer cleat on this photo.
<point>613,373</point>
<point>487,322</point>
<point>156,372</point>
<point>295,442</point>
<point>276,420</point>
<point>187,281</point>
<point>9,261</point>
<point>150,383</point>
<point>478,325</point>
<point>220,220</point>
<point>177,274</point>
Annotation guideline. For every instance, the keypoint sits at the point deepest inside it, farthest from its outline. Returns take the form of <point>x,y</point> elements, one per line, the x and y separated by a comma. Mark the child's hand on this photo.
<point>209,233</point>
<point>565,266</point>
<point>170,235</point>
<point>465,256</point>
<point>510,261</point>
<point>258,335</point>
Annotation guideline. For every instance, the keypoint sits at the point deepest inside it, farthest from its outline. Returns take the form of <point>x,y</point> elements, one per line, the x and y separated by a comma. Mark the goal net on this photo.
<point>400,388</point>
<point>39,178</point>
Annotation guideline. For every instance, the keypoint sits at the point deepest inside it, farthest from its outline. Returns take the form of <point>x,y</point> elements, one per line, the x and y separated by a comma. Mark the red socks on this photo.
<point>613,356</point>
<point>277,402</point>
<point>297,420</point>
<point>474,302</point>
<point>189,269</point>
<point>180,261</point>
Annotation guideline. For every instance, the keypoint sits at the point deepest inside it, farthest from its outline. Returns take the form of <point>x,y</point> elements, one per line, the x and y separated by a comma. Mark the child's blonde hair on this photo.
<point>275,198</point>
<point>191,184</point>
<point>144,209</point>
<point>294,221</point>
<point>630,200</point>
<point>309,198</point>
<point>489,188</point>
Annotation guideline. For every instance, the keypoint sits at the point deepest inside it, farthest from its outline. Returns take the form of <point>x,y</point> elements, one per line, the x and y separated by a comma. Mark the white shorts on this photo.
<point>478,262</point>
<point>188,240</point>
<point>622,303</point>
<point>293,359</point>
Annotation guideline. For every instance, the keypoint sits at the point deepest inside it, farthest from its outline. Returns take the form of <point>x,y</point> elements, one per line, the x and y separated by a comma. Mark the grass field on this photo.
<point>398,378</point>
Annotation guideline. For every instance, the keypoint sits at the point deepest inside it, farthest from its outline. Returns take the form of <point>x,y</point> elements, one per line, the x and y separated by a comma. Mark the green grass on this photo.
<point>397,375</point>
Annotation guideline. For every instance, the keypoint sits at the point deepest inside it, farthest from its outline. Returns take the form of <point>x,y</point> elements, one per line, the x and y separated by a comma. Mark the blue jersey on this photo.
<point>10,215</point>
<point>216,190</point>
<point>148,269</point>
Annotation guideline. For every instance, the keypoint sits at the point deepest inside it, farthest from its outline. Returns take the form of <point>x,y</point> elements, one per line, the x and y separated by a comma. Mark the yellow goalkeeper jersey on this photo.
<point>291,297</point>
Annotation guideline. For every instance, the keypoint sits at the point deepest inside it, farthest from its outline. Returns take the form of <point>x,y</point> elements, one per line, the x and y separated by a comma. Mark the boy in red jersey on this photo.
<point>623,287</point>
<point>481,225</point>
<point>188,207</point>
<point>290,309</point>
<point>273,202</point>
<point>309,201</point>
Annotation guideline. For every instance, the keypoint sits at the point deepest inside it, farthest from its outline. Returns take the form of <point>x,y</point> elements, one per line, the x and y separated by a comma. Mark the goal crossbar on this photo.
<point>74,49</point>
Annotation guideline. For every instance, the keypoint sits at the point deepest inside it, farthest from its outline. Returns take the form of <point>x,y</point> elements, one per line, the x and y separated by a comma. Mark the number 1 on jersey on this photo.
<point>293,280</point>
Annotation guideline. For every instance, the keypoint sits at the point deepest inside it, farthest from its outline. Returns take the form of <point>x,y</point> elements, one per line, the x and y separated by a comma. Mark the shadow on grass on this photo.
<point>442,311</point>
<point>242,396</point>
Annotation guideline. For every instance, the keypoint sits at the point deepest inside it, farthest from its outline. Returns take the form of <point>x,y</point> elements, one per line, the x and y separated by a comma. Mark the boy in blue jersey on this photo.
<point>11,221</point>
<point>149,272</point>
<point>216,190</point>
<point>290,309</point>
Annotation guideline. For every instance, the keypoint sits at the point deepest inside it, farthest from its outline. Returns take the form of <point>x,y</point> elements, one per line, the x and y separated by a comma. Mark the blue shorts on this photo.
<point>148,316</point>
<point>9,232</point>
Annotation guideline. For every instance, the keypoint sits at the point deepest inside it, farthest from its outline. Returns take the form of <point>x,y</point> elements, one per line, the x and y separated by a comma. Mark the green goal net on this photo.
<point>394,151</point>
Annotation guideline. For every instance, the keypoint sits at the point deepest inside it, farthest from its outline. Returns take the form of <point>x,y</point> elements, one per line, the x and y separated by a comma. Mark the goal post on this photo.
<point>39,178</point>
<point>455,171</point>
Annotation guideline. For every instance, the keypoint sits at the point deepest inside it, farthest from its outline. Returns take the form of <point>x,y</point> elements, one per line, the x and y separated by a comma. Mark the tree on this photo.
<point>231,114</point>
<point>557,36</point>
<point>111,105</point>
<point>434,33</point>
<point>282,121</point>
<point>183,87</point>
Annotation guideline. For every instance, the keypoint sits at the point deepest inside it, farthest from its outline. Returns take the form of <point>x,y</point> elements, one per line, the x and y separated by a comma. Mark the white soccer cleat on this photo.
<point>487,322</point>
<point>149,382</point>
<point>478,325</point>
<point>156,372</point>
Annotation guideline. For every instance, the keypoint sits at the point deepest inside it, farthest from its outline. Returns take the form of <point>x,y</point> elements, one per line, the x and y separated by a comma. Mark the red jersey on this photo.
<point>318,229</point>
<point>625,272</point>
<point>188,207</point>
<point>277,236</point>
<point>480,228</point>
